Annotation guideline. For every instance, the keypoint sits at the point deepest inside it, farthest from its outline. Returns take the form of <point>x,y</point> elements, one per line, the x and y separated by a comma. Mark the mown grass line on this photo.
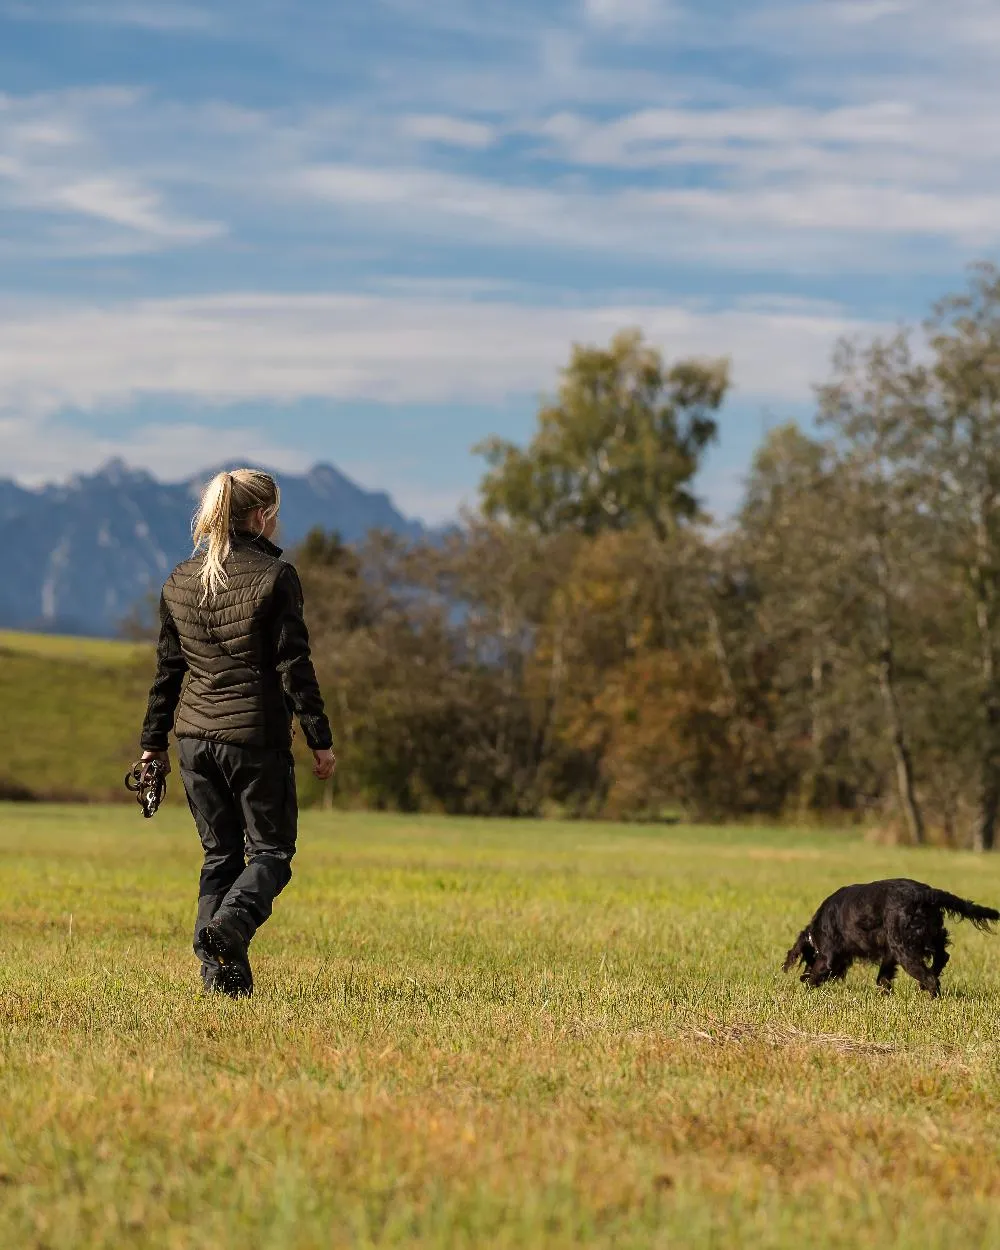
<point>471,1032</point>
<point>102,652</point>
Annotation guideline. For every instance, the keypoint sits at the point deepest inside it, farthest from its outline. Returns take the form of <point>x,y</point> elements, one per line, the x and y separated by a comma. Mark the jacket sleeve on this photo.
<point>166,689</point>
<point>294,662</point>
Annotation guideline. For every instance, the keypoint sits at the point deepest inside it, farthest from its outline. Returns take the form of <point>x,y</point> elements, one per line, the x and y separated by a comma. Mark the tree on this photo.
<point>960,463</point>
<point>588,646</point>
<point>788,543</point>
<point>503,589</point>
<point>874,405</point>
<point>422,650</point>
<point>620,446</point>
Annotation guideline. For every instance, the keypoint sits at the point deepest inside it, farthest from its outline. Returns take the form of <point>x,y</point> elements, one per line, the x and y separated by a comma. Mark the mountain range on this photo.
<point>80,556</point>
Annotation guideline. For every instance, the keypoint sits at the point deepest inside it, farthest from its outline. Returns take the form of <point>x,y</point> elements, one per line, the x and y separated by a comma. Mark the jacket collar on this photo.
<point>260,544</point>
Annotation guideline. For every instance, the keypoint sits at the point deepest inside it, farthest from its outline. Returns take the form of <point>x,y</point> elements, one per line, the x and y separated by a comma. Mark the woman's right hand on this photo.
<point>324,762</point>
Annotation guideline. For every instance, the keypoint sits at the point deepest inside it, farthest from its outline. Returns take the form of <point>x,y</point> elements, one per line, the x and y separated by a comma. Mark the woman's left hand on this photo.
<point>162,756</point>
<point>324,762</point>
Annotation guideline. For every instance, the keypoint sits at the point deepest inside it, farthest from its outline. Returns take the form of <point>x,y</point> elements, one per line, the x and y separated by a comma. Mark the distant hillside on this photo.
<point>81,555</point>
<point>72,712</point>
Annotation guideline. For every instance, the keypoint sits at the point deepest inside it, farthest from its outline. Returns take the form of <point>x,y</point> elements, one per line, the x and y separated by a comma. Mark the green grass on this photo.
<point>72,714</point>
<point>471,1034</point>
<point>105,653</point>
<point>72,711</point>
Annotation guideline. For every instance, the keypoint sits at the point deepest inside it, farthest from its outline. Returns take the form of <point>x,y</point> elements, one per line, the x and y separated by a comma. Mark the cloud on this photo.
<point>120,203</point>
<point>154,17</point>
<point>784,187</point>
<point>822,224</point>
<point>279,348</point>
<point>56,449</point>
<point>537,156</point>
<point>54,167</point>
<point>74,377</point>
<point>629,15</point>
<point>725,135</point>
<point>161,17</point>
<point>840,41</point>
<point>885,146</point>
<point>870,210</point>
<point>865,12</point>
<point>452,131</point>
<point>409,493</point>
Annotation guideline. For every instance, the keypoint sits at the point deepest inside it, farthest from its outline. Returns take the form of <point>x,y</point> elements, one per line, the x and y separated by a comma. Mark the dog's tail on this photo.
<point>982,917</point>
<point>800,951</point>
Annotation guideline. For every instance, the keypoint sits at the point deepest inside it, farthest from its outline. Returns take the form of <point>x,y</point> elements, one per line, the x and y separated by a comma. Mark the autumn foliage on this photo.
<point>591,643</point>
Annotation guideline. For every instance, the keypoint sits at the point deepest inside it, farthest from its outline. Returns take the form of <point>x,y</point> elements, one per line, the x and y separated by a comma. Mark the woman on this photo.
<point>232,666</point>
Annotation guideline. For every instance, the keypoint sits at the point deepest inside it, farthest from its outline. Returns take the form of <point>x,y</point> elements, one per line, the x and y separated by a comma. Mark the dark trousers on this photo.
<point>244,804</point>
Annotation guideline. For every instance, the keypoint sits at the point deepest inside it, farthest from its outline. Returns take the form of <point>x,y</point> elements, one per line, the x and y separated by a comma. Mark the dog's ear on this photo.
<point>802,952</point>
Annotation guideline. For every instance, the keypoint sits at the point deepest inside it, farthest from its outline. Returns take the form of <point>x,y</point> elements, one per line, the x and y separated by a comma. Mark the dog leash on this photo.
<point>147,780</point>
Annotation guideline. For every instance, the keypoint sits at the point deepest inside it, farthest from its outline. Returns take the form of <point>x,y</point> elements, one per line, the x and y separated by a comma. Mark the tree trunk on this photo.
<point>902,759</point>
<point>984,584</point>
<point>814,791</point>
<point>900,750</point>
<point>989,764</point>
<point>722,658</point>
<point>546,730</point>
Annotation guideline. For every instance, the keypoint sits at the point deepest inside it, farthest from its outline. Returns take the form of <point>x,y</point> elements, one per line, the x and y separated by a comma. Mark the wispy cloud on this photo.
<point>769,137</point>
<point>962,23</point>
<point>783,186</point>
<point>822,223</point>
<point>53,161</point>
<point>55,449</point>
<point>118,201</point>
<point>71,377</point>
<point>632,16</point>
<point>466,150</point>
<point>455,132</point>
<point>279,348</point>
<point>154,15</point>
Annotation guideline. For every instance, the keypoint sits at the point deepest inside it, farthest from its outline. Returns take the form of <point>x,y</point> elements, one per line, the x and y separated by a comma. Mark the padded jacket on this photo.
<point>236,668</point>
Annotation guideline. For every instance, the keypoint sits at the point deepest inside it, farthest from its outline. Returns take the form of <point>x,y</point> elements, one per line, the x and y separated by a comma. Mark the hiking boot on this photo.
<point>229,981</point>
<point>223,942</point>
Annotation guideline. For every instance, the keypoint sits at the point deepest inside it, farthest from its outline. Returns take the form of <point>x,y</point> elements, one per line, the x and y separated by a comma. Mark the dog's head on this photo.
<point>802,952</point>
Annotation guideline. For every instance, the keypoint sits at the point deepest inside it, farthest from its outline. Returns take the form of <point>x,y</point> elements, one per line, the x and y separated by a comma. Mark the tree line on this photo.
<point>589,642</point>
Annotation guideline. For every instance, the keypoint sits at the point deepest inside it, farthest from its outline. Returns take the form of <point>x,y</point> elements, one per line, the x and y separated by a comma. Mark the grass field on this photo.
<point>471,1034</point>
<point>72,711</point>
<point>72,714</point>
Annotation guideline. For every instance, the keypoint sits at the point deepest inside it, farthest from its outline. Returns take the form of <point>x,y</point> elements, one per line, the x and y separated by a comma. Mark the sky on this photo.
<point>367,233</point>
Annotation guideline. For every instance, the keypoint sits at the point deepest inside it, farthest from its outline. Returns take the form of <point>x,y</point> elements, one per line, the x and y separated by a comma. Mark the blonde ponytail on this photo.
<point>227,504</point>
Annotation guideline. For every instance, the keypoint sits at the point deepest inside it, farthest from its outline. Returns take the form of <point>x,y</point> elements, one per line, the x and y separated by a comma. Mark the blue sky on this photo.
<point>367,233</point>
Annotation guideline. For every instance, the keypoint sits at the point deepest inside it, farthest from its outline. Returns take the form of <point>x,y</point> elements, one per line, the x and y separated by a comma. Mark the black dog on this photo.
<point>891,923</point>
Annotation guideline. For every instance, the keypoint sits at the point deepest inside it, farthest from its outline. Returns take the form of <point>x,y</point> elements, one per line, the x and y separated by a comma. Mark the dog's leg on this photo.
<point>941,955</point>
<point>886,974</point>
<point>925,978</point>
